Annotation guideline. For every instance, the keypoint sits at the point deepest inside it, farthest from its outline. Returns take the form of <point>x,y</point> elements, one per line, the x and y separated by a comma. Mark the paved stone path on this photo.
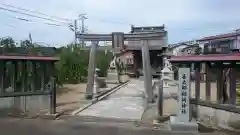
<point>128,102</point>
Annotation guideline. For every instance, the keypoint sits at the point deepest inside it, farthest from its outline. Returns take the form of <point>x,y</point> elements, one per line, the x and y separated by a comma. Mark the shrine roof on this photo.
<point>205,58</point>
<point>22,53</point>
<point>36,58</point>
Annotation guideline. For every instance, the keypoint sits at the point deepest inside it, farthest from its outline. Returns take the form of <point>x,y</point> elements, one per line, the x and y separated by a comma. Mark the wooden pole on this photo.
<point>232,82</point>
<point>160,98</point>
<point>2,73</point>
<point>33,84</point>
<point>208,82</point>
<point>197,86</point>
<point>53,89</point>
<point>43,71</point>
<point>13,75</point>
<point>219,85</point>
<point>197,82</point>
<point>24,76</point>
<point>14,70</point>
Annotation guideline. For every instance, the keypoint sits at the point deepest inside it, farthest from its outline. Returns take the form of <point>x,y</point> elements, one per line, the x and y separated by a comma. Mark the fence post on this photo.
<point>160,98</point>
<point>53,96</point>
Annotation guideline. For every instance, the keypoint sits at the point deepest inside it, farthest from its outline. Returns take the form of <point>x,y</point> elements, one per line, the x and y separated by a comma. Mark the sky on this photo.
<point>184,19</point>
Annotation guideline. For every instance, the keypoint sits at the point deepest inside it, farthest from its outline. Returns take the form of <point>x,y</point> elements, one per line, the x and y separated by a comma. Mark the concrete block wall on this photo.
<point>26,104</point>
<point>206,115</point>
<point>217,118</point>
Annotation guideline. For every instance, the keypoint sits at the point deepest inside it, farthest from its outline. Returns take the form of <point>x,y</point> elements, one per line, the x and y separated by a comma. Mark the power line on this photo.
<point>60,18</point>
<point>50,24</point>
<point>49,19</point>
<point>11,26</point>
<point>56,17</point>
<point>31,11</point>
<point>29,20</point>
<point>19,12</point>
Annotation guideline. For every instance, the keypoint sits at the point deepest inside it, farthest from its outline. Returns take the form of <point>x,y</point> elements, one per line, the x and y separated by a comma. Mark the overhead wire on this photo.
<point>11,26</point>
<point>32,11</point>
<point>66,22</point>
<point>33,21</point>
<point>60,18</point>
<point>51,16</point>
<point>19,12</point>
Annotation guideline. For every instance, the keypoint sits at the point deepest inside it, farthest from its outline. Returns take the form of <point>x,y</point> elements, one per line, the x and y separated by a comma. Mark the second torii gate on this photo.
<point>118,39</point>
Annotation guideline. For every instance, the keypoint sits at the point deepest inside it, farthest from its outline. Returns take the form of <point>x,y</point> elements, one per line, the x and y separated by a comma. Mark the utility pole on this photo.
<point>82,17</point>
<point>30,38</point>
<point>75,31</point>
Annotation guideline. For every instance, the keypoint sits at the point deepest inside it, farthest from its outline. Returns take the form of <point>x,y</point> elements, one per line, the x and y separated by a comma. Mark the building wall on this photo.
<point>161,42</point>
<point>221,45</point>
<point>127,58</point>
<point>151,43</point>
<point>236,43</point>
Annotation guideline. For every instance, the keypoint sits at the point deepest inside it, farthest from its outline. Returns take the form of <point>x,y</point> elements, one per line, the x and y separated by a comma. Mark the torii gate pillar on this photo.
<point>91,70</point>
<point>147,70</point>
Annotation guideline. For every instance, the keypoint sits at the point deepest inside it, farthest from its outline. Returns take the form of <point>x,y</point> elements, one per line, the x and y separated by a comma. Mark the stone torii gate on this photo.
<point>118,39</point>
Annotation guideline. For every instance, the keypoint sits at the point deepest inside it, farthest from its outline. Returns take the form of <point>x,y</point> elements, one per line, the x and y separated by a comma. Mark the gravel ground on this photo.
<point>73,97</point>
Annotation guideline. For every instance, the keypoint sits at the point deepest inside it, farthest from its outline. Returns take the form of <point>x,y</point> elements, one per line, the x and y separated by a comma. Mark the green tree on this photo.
<point>72,67</point>
<point>102,62</point>
<point>198,51</point>
<point>7,42</point>
<point>26,44</point>
<point>73,64</point>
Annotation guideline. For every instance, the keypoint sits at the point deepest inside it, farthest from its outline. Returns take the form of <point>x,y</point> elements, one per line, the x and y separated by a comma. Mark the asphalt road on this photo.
<point>76,127</point>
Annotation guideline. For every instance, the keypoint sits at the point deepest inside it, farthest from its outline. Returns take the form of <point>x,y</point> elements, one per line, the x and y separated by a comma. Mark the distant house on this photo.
<point>183,48</point>
<point>223,43</point>
<point>190,50</point>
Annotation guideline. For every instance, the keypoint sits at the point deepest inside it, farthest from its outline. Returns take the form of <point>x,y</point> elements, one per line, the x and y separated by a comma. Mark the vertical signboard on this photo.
<point>184,94</point>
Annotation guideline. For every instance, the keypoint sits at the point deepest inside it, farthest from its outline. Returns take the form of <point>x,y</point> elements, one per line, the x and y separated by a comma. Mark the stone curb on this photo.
<point>114,89</point>
<point>51,116</point>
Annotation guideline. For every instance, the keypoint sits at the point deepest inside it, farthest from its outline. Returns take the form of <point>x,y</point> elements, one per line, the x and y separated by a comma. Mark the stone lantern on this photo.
<point>96,89</point>
<point>167,74</point>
